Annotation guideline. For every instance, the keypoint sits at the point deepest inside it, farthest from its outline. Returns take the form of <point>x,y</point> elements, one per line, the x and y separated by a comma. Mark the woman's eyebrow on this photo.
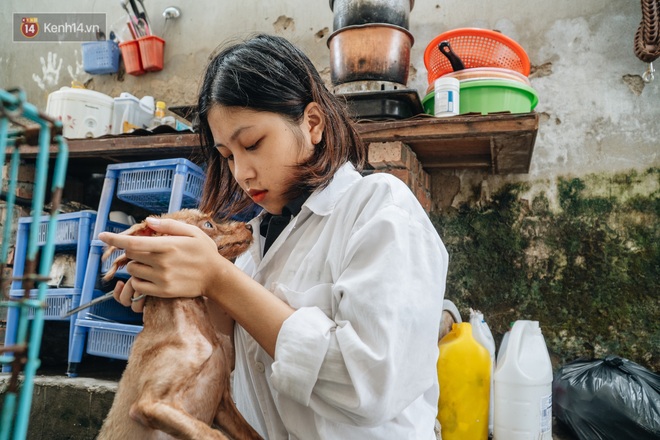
<point>234,135</point>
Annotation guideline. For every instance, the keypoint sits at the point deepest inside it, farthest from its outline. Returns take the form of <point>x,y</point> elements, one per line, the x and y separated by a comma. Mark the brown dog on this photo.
<point>176,382</point>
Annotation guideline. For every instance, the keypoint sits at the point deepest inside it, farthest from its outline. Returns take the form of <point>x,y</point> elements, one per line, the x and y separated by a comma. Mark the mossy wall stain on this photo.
<point>586,265</point>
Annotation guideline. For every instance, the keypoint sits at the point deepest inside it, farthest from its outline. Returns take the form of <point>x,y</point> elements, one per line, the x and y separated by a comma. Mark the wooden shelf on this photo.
<point>501,143</point>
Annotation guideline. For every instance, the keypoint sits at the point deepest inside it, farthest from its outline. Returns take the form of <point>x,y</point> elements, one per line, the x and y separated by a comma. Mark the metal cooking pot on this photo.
<point>357,12</point>
<point>376,52</point>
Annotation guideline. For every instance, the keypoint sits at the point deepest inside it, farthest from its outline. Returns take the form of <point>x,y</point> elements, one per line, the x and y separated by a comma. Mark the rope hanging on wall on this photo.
<point>647,37</point>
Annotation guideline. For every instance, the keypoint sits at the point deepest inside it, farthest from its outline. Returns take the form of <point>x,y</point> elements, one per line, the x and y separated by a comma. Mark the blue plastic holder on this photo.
<point>100,57</point>
<point>159,186</point>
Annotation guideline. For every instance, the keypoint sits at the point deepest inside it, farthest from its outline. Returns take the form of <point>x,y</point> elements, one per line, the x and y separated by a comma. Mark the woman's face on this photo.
<point>261,148</point>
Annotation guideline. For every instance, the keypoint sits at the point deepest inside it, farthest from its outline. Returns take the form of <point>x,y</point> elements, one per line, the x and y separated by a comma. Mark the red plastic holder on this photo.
<point>130,52</point>
<point>152,49</point>
<point>143,55</point>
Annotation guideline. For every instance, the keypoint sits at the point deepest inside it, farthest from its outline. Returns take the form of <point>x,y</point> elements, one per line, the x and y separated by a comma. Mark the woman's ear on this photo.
<point>314,122</point>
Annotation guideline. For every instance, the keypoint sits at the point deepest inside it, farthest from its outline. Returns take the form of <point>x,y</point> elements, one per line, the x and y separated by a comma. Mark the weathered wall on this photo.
<point>588,271</point>
<point>597,113</point>
<point>572,244</point>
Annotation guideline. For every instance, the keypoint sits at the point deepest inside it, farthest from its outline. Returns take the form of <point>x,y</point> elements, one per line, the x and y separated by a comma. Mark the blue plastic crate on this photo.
<point>58,302</point>
<point>68,229</point>
<point>151,184</point>
<point>109,339</point>
<point>100,57</point>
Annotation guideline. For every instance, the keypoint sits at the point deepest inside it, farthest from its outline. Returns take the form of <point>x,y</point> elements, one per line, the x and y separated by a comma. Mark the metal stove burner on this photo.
<point>383,104</point>
<point>367,86</point>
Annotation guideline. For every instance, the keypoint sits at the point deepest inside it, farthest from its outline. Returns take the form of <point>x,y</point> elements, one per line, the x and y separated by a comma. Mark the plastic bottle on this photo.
<point>446,98</point>
<point>160,118</point>
<point>523,386</point>
<point>464,376</point>
<point>159,114</point>
<point>484,336</point>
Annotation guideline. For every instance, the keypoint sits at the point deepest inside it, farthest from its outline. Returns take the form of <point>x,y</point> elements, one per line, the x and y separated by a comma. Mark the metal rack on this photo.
<point>23,356</point>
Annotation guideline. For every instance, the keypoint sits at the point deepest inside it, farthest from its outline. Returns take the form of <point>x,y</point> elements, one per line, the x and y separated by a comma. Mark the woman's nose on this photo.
<point>242,171</point>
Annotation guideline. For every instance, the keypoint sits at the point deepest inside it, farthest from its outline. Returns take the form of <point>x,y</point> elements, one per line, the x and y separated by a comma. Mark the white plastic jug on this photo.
<point>523,386</point>
<point>484,336</point>
<point>130,113</point>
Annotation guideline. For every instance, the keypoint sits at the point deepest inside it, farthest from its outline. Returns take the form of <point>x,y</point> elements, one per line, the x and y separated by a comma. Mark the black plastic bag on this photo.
<point>608,399</point>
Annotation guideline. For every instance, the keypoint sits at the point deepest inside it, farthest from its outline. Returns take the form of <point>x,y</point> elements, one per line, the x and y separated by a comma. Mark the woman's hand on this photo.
<point>186,263</point>
<point>176,263</point>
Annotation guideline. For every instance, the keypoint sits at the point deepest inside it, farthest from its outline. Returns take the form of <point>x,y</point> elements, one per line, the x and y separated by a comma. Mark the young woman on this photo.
<point>337,304</point>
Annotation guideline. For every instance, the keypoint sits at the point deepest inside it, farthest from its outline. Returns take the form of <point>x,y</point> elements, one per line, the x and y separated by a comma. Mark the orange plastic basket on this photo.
<point>477,48</point>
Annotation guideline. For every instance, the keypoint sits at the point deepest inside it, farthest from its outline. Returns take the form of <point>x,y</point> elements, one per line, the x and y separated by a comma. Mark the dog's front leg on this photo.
<point>175,421</point>
<point>231,420</point>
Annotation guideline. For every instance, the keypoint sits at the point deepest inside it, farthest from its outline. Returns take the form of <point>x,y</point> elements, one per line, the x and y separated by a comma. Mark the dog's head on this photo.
<point>231,238</point>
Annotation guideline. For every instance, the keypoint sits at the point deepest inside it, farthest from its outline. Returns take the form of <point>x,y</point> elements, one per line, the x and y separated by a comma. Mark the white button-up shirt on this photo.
<point>365,270</point>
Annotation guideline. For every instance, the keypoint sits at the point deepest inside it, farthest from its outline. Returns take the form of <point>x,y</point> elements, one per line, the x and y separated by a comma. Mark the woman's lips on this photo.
<point>257,194</point>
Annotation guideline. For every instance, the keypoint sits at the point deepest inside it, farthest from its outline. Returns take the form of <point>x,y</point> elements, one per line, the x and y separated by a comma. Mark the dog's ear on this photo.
<point>141,229</point>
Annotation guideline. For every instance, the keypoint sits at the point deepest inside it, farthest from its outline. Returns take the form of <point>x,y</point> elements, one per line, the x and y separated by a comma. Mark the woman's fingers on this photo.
<point>116,293</point>
<point>170,265</point>
<point>126,294</point>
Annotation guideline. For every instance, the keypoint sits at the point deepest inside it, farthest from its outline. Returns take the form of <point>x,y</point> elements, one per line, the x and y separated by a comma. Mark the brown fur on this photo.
<point>176,382</point>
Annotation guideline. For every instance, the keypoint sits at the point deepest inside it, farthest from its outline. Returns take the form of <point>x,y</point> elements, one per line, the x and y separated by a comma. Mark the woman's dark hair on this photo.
<point>268,73</point>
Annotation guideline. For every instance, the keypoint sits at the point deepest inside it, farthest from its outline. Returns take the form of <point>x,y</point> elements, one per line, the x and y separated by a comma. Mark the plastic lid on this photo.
<point>447,81</point>
<point>160,105</point>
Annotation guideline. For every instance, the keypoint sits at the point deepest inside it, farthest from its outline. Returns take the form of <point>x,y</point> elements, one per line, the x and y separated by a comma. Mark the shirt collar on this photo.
<point>323,202</point>
<point>289,211</point>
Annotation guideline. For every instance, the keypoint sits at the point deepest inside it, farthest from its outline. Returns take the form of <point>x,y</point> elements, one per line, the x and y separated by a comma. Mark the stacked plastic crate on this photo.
<point>72,237</point>
<point>158,186</point>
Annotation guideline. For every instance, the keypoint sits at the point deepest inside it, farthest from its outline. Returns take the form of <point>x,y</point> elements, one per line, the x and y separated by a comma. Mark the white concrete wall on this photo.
<point>596,113</point>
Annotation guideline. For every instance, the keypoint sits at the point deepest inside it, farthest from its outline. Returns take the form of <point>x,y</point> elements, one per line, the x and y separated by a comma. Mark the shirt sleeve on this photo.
<point>376,351</point>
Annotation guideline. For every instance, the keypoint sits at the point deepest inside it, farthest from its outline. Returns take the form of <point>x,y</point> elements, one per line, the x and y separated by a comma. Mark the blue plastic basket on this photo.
<point>150,184</point>
<point>100,57</point>
<point>109,339</point>
<point>68,228</point>
<point>58,302</point>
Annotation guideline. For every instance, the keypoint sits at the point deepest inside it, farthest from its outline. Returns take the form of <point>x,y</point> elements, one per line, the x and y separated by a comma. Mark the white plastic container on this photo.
<point>131,113</point>
<point>446,97</point>
<point>484,336</point>
<point>84,113</point>
<point>523,386</point>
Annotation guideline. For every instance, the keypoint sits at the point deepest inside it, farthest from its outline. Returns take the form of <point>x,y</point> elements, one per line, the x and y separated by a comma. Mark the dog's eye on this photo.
<point>208,225</point>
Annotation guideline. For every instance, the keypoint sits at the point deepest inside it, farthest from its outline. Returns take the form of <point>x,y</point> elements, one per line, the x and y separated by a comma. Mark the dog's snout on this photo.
<point>248,227</point>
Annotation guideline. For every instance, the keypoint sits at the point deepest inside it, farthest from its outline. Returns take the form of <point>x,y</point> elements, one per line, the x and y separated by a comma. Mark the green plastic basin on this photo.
<point>490,96</point>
